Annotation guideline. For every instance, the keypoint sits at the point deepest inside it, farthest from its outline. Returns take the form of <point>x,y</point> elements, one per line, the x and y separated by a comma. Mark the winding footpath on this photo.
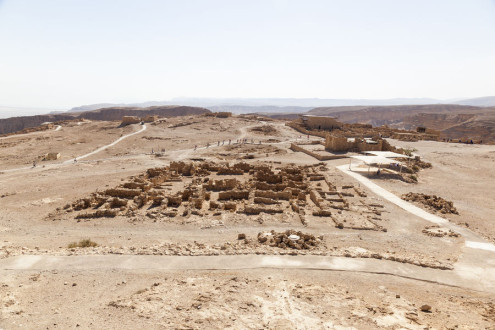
<point>70,161</point>
<point>57,128</point>
<point>108,145</point>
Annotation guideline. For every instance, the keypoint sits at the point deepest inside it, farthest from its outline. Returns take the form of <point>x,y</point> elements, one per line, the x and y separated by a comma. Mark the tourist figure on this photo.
<point>229,141</point>
<point>195,146</point>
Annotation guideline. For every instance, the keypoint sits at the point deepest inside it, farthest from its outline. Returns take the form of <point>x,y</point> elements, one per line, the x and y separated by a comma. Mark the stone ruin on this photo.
<point>437,231</point>
<point>129,120</point>
<point>342,143</point>
<point>432,202</point>
<point>290,239</point>
<point>206,188</point>
<point>340,137</point>
<point>51,156</point>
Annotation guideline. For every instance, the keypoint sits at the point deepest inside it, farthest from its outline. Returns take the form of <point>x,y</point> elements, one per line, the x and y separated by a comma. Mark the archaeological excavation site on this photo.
<point>211,220</point>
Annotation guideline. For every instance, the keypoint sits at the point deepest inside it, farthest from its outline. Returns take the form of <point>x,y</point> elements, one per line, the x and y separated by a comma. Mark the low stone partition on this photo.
<point>233,194</point>
<point>254,209</point>
<point>295,147</point>
<point>123,192</point>
<point>284,195</point>
<point>303,130</point>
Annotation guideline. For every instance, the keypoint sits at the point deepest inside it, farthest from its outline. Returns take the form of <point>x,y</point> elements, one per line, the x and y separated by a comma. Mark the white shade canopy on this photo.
<point>368,160</point>
<point>386,154</point>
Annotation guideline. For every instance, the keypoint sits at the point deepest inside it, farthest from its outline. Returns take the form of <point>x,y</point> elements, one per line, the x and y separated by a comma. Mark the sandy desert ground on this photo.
<point>371,263</point>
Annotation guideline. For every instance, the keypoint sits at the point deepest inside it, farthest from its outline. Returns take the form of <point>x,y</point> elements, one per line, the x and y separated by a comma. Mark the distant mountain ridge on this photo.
<point>240,105</point>
<point>487,101</point>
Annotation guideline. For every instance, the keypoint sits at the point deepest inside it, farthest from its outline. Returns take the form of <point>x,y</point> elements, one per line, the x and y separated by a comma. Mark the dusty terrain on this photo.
<point>198,191</point>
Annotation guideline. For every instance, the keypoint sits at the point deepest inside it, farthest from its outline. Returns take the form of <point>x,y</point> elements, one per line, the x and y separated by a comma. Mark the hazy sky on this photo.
<point>65,53</point>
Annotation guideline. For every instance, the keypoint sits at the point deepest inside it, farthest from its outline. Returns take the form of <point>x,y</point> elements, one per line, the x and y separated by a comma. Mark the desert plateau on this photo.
<point>234,221</point>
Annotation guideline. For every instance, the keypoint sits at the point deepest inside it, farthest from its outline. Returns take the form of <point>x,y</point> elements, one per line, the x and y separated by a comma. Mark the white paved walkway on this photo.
<point>239,262</point>
<point>479,243</point>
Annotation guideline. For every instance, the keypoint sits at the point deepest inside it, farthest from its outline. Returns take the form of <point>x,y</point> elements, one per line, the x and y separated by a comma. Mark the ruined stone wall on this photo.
<point>337,143</point>
<point>233,194</point>
<point>295,147</point>
<point>340,144</point>
<point>297,125</point>
<point>324,123</point>
<point>128,120</point>
<point>221,185</point>
<point>150,118</point>
<point>285,195</point>
<point>52,156</point>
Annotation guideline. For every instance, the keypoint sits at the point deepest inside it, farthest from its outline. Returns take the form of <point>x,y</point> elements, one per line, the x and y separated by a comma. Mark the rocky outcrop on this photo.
<point>116,113</point>
<point>14,124</point>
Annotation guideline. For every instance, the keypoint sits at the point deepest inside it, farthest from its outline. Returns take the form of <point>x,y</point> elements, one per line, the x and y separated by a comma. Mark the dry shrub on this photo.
<point>85,243</point>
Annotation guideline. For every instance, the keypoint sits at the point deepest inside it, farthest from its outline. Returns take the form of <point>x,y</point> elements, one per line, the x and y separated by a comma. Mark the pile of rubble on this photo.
<point>414,165</point>
<point>437,231</point>
<point>265,129</point>
<point>431,201</point>
<point>243,246</point>
<point>289,239</point>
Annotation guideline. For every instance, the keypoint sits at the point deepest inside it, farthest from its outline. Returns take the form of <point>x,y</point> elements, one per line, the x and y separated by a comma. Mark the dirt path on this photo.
<point>108,145</point>
<point>484,283</point>
<point>57,128</point>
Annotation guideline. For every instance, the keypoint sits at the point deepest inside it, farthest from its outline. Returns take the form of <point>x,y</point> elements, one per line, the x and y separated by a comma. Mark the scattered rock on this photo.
<point>426,308</point>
